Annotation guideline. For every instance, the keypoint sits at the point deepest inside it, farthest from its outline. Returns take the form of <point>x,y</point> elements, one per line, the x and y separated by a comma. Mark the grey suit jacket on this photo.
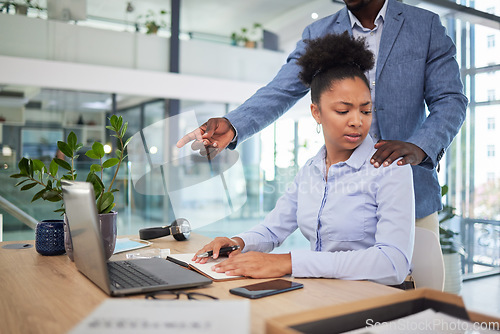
<point>416,67</point>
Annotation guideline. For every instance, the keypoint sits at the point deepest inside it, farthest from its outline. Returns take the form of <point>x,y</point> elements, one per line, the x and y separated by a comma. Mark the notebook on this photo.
<point>114,277</point>
<point>204,269</point>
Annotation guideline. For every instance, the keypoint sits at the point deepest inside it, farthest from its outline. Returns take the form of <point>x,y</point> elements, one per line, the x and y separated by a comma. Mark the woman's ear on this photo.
<point>316,113</point>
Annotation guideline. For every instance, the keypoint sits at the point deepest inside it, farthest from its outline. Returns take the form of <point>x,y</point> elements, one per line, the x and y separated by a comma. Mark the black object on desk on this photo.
<point>180,229</point>
<point>222,251</point>
<point>269,288</point>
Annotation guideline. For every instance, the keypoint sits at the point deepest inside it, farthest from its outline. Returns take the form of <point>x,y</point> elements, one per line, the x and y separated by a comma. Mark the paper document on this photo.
<point>204,269</point>
<point>123,316</point>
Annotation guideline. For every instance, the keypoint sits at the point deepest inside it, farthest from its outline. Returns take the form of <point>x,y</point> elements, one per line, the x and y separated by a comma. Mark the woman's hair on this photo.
<point>331,58</point>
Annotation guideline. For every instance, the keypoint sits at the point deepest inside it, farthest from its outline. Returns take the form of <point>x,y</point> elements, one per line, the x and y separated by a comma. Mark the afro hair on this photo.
<point>333,51</point>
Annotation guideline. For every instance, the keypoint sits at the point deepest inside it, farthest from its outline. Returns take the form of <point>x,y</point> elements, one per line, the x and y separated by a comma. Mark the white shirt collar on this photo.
<point>356,160</point>
<point>380,16</point>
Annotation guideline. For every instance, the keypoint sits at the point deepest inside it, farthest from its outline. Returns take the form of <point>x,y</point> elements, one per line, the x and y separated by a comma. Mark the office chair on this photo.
<point>427,263</point>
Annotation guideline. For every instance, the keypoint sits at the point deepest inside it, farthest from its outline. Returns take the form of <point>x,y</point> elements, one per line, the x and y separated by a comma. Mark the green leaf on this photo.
<point>105,201</point>
<point>98,149</point>
<point>110,162</point>
<point>118,154</point>
<point>54,199</point>
<point>78,147</point>
<point>119,124</point>
<point>51,195</point>
<point>28,186</point>
<point>96,182</point>
<point>108,209</point>
<point>38,195</point>
<point>91,154</point>
<point>95,168</point>
<point>38,166</point>
<point>17,176</point>
<point>65,149</point>
<point>62,210</point>
<point>124,129</point>
<point>444,190</point>
<point>126,143</point>
<point>30,169</point>
<point>21,182</point>
<point>110,128</point>
<point>63,164</point>
<point>113,121</point>
<point>53,168</point>
<point>72,141</point>
<point>24,166</point>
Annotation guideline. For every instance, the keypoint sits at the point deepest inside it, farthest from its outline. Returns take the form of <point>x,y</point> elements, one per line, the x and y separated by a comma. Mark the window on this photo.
<point>491,151</point>
<point>491,41</point>
<point>490,177</point>
<point>491,95</point>
<point>491,123</point>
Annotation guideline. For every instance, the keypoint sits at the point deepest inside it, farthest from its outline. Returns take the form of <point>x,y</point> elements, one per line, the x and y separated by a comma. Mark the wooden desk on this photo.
<point>46,294</point>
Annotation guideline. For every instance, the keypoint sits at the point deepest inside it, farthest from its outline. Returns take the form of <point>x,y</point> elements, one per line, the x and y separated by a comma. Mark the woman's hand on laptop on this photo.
<point>215,245</point>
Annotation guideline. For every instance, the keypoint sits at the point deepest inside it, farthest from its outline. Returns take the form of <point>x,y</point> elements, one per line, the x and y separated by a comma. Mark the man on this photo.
<point>415,66</point>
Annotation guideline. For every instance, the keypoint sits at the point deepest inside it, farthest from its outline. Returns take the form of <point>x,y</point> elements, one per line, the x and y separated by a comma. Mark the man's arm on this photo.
<point>271,101</point>
<point>443,94</point>
<point>260,110</point>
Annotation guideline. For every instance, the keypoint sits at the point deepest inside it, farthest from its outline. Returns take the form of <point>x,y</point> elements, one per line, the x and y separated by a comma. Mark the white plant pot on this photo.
<point>452,273</point>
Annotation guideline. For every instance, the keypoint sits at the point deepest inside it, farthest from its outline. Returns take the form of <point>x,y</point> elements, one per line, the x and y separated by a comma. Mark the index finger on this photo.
<point>380,143</point>
<point>206,248</point>
<point>193,135</point>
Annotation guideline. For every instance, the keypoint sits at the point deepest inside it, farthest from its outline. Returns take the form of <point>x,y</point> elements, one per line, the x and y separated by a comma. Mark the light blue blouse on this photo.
<point>360,222</point>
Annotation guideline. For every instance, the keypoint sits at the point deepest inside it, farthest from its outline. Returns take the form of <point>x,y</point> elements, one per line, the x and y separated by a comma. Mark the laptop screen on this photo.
<point>88,249</point>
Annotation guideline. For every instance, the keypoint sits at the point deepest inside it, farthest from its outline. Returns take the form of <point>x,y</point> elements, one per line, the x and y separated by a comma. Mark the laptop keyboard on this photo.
<point>125,274</point>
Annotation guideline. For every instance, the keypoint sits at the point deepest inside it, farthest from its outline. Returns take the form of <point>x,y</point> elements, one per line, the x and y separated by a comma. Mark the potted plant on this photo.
<point>452,248</point>
<point>33,173</point>
<point>247,37</point>
<point>21,7</point>
<point>238,39</point>
<point>153,21</point>
<point>254,35</point>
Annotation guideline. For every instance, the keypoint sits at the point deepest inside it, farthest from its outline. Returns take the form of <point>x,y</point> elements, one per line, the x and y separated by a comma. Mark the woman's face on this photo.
<point>344,111</point>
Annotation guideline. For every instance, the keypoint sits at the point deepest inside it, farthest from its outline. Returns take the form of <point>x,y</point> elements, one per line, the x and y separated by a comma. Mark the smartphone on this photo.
<point>264,289</point>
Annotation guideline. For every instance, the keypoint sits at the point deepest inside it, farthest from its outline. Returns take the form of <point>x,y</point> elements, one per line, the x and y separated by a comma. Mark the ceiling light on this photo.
<point>314,16</point>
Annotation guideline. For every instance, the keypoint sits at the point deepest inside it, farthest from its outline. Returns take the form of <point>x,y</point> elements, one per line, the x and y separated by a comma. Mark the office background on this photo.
<point>70,67</point>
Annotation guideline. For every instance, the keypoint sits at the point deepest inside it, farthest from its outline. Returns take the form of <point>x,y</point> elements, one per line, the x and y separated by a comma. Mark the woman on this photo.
<point>358,219</point>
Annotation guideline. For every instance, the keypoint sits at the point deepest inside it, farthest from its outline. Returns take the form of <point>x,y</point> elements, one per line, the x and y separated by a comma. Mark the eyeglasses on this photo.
<point>173,295</point>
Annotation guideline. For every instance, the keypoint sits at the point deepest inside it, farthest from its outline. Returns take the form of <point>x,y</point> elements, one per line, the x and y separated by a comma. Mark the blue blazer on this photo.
<point>416,67</point>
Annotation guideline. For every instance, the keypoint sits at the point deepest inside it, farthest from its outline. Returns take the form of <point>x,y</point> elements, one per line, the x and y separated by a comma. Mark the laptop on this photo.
<point>116,278</point>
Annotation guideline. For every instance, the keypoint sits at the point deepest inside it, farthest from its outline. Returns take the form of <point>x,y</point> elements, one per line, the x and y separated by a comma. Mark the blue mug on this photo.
<point>49,237</point>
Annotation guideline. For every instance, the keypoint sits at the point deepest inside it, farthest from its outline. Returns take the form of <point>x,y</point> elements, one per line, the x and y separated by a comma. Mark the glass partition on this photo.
<point>472,161</point>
